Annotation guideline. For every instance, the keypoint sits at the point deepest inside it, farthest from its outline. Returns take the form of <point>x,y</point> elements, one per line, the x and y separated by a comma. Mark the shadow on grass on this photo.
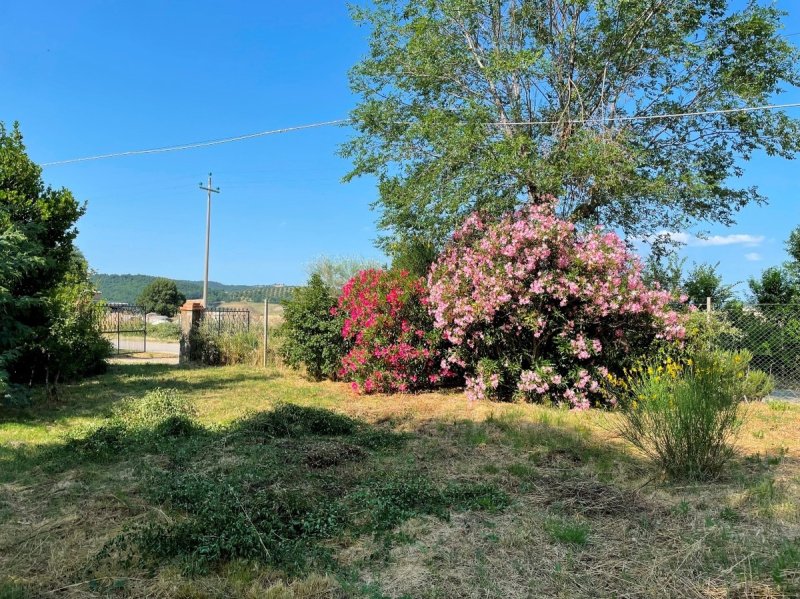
<point>272,487</point>
<point>285,487</point>
<point>96,395</point>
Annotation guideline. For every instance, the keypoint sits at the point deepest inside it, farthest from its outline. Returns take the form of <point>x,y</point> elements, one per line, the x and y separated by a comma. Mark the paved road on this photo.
<point>158,347</point>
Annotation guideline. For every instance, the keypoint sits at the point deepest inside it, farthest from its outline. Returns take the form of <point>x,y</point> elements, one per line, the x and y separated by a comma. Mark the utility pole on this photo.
<point>210,190</point>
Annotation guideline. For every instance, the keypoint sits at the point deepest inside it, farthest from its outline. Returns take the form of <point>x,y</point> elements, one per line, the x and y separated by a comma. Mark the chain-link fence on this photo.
<point>771,332</point>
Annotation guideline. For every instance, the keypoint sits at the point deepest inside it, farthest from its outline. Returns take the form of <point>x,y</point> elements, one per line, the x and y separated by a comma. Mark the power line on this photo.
<point>215,142</point>
<point>650,117</point>
<point>198,144</point>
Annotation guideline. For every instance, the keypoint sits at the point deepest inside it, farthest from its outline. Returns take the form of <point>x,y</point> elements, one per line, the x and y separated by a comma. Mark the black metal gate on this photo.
<point>126,327</point>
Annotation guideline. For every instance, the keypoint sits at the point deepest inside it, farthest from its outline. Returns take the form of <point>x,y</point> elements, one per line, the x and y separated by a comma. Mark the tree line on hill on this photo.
<point>128,288</point>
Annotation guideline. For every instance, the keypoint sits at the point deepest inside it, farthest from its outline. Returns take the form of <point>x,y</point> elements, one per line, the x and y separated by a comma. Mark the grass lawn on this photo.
<point>385,496</point>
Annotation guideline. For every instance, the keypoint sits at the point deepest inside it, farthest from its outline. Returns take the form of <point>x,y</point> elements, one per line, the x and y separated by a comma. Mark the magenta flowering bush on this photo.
<point>392,343</point>
<point>534,308</point>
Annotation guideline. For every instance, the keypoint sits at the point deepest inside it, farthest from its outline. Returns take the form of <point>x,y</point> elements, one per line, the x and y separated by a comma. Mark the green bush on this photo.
<point>684,415</point>
<point>311,335</point>
<point>226,348</point>
<point>772,334</point>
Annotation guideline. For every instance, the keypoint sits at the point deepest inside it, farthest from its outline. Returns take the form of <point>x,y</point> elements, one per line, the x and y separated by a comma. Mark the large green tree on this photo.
<point>48,331</point>
<point>481,104</point>
<point>161,296</point>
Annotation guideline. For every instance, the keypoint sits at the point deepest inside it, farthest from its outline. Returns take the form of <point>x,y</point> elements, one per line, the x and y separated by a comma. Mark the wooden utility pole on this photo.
<point>210,190</point>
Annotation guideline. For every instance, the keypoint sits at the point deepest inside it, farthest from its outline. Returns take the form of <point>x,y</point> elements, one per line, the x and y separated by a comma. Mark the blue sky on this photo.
<point>98,76</point>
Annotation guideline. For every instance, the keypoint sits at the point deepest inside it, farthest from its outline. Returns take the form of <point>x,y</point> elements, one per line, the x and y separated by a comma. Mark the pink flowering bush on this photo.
<point>392,343</point>
<point>534,308</point>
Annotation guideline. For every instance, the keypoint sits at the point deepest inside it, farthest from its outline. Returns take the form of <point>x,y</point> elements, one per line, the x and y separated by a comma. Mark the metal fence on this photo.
<point>126,327</point>
<point>771,332</point>
<point>225,321</point>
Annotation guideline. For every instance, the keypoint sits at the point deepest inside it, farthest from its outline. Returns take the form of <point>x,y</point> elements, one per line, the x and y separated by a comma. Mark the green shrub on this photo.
<point>224,349</point>
<point>685,415</point>
<point>311,335</point>
<point>98,443</point>
<point>48,328</point>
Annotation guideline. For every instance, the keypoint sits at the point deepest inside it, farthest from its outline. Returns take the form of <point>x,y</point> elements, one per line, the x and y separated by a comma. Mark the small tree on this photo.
<point>704,281</point>
<point>311,333</point>
<point>162,297</point>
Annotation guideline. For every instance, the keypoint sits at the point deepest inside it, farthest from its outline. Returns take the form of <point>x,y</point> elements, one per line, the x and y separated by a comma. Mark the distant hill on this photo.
<point>126,288</point>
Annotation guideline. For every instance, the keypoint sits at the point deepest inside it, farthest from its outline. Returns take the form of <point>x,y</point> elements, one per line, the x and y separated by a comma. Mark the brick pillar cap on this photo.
<point>191,306</point>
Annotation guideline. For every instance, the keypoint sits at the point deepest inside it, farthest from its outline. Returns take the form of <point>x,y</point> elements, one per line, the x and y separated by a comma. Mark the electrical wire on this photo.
<point>599,120</point>
<point>199,144</point>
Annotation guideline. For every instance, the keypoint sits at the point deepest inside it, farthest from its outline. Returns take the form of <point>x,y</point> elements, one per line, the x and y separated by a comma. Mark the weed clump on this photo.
<point>152,410</point>
<point>100,442</point>
<point>289,420</point>
<point>137,422</point>
<point>570,532</point>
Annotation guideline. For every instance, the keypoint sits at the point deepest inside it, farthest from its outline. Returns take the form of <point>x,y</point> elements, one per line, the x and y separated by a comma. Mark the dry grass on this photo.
<point>644,537</point>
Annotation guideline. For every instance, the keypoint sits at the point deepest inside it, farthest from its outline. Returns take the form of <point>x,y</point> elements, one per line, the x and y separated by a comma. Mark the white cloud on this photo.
<point>752,256</point>
<point>715,240</point>
<point>736,239</point>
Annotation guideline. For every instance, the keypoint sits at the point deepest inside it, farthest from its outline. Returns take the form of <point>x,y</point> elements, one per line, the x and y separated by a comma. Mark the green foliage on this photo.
<point>228,347</point>
<point>705,332</point>
<point>392,500</point>
<point>786,567</point>
<point>684,415</point>
<point>49,329</point>
<point>665,270</point>
<point>776,285</point>
<point>135,423</point>
<point>567,531</point>
<point>168,331</point>
<point>793,245</point>
<point>414,256</point>
<point>162,297</point>
<point>154,408</point>
<point>311,335</point>
<point>277,505</point>
<point>336,271</point>
<point>704,281</point>
<point>446,84</point>
<point>771,333</point>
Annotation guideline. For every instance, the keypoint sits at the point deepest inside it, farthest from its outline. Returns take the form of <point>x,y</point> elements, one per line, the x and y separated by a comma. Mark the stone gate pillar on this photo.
<point>191,313</point>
